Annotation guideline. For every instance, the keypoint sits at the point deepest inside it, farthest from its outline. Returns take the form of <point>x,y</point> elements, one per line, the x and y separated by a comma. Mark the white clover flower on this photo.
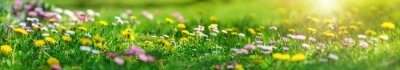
<point>241,35</point>
<point>96,51</point>
<point>85,48</point>
<point>312,39</point>
<point>299,37</point>
<point>273,28</point>
<point>224,31</point>
<point>333,56</point>
<point>88,35</point>
<point>267,47</point>
<point>362,36</point>
<point>384,37</point>
<point>44,29</point>
<point>69,32</point>
<point>45,34</point>
<point>305,45</point>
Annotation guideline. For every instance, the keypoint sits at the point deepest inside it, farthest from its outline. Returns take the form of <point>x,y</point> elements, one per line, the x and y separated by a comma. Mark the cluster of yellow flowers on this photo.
<point>6,49</point>
<point>296,57</point>
<point>103,23</point>
<point>66,38</point>
<point>21,31</point>
<point>85,41</point>
<point>53,61</point>
<point>388,25</point>
<point>169,20</point>
<point>51,40</point>
<point>127,33</point>
<point>39,43</point>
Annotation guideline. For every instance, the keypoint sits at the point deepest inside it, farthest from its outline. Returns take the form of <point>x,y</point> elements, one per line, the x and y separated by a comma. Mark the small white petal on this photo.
<point>85,48</point>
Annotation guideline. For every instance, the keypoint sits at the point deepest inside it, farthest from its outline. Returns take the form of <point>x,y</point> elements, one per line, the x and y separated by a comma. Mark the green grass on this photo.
<point>198,53</point>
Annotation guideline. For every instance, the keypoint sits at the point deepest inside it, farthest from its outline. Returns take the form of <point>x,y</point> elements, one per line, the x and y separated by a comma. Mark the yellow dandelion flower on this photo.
<point>230,29</point>
<point>132,37</point>
<point>21,31</point>
<point>239,67</point>
<point>260,34</point>
<point>66,38</point>
<point>6,49</point>
<point>185,32</point>
<point>126,32</point>
<point>388,25</point>
<point>169,20</point>
<point>98,38</point>
<point>101,46</point>
<point>342,28</point>
<point>252,31</point>
<point>53,61</point>
<point>133,17</point>
<point>82,28</point>
<point>181,26</point>
<point>234,33</point>
<point>370,32</point>
<point>103,23</point>
<point>148,43</point>
<point>298,57</point>
<point>184,39</point>
<point>329,34</point>
<point>257,60</point>
<point>85,41</point>
<point>52,20</point>
<point>165,42</point>
<point>311,30</point>
<point>39,43</point>
<point>213,18</point>
<point>343,32</point>
<point>354,27</point>
<point>212,26</point>
<point>281,56</point>
<point>51,40</point>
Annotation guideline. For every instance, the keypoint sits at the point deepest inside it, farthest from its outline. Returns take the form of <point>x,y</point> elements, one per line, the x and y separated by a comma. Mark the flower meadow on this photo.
<point>361,35</point>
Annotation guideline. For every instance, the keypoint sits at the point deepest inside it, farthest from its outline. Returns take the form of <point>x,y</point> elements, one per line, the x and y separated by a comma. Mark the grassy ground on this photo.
<point>359,17</point>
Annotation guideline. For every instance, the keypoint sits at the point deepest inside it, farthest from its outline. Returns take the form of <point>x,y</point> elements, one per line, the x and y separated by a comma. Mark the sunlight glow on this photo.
<point>326,3</point>
<point>327,7</point>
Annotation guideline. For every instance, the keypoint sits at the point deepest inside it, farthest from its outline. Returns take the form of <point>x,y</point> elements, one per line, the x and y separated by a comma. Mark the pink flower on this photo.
<point>322,45</point>
<point>345,44</point>
<point>111,54</point>
<point>145,58</point>
<point>244,51</point>
<point>148,15</point>
<point>286,48</point>
<point>134,50</point>
<point>271,42</point>
<point>363,44</point>
<point>118,60</point>
<point>249,47</point>
<point>348,40</point>
<point>285,39</point>
<point>55,67</point>
<point>217,67</point>
<point>299,37</point>
<point>32,13</point>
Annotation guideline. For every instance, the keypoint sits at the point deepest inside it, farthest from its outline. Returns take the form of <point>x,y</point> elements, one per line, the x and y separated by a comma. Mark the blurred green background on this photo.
<point>265,9</point>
